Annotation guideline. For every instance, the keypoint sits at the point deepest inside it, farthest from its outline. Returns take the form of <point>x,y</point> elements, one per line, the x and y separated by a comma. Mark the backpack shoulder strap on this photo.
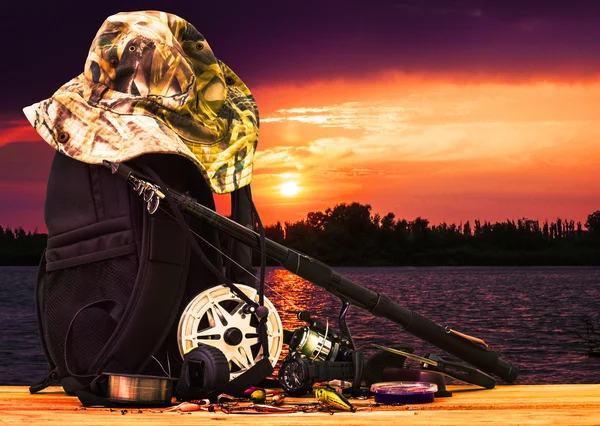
<point>241,212</point>
<point>164,254</point>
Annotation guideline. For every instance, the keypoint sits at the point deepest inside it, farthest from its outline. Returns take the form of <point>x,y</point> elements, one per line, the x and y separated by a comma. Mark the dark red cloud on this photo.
<point>24,169</point>
<point>16,130</point>
<point>25,162</point>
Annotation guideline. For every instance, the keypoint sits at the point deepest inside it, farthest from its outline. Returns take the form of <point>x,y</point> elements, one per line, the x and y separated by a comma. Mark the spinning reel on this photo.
<point>318,354</point>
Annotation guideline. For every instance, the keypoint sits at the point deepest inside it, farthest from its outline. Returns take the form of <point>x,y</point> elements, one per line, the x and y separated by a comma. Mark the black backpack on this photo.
<point>114,280</point>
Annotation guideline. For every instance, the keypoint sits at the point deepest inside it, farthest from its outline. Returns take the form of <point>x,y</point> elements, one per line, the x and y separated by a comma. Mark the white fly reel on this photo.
<point>215,317</point>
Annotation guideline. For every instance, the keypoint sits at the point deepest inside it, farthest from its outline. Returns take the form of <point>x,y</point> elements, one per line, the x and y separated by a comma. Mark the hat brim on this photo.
<point>91,134</point>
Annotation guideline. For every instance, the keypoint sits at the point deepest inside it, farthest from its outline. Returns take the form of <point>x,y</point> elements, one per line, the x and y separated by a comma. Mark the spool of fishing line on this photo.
<point>403,392</point>
<point>140,390</point>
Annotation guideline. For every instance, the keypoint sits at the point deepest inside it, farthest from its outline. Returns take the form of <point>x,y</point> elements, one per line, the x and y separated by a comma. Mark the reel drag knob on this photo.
<point>262,312</point>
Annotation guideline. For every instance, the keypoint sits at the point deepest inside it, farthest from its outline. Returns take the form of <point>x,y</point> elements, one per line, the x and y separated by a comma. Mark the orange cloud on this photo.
<point>446,149</point>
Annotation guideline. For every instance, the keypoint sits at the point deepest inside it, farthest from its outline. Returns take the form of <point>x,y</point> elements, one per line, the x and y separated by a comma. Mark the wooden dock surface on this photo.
<point>507,404</point>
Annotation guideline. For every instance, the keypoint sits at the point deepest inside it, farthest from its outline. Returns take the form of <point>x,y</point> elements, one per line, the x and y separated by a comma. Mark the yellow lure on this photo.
<point>258,396</point>
<point>329,398</point>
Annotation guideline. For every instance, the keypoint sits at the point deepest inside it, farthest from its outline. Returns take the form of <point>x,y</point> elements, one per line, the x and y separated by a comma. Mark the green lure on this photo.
<point>329,398</point>
<point>259,396</point>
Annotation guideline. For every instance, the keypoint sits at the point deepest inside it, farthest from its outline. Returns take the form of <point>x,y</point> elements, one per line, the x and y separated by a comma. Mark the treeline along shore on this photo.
<point>18,247</point>
<point>350,235</point>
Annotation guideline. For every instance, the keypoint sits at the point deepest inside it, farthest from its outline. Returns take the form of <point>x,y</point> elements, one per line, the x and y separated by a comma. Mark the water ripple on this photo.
<point>531,315</point>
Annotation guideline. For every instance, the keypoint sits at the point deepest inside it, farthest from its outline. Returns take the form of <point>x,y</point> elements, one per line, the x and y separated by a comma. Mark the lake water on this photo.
<point>532,315</point>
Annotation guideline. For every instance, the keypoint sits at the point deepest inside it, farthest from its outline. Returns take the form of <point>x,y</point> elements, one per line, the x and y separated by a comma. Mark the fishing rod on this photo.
<point>469,349</point>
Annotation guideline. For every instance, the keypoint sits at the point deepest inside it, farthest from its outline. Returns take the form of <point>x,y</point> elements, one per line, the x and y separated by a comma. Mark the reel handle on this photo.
<point>304,316</point>
<point>312,323</point>
<point>316,324</point>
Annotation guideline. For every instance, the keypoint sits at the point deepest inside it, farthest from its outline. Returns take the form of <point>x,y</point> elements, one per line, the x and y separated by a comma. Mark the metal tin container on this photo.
<point>140,389</point>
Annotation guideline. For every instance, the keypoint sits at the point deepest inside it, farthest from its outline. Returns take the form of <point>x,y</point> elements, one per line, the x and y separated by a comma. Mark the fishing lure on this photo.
<point>258,409</point>
<point>193,405</point>
<point>277,399</point>
<point>329,398</point>
<point>259,396</point>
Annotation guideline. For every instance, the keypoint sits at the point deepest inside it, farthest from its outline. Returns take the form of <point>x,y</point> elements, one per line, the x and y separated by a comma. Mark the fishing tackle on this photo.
<point>471,350</point>
<point>318,354</point>
<point>454,370</point>
<point>139,389</point>
<point>330,399</point>
<point>186,407</point>
<point>218,317</point>
<point>277,399</point>
<point>259,396</point>
<point>259,409</point>
<point>318,342</point>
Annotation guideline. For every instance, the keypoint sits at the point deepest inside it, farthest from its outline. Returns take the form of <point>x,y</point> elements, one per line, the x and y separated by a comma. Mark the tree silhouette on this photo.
<point>275,233</point>
<point>349,234</point>
<point>593,226</point>
<point>18,247</point>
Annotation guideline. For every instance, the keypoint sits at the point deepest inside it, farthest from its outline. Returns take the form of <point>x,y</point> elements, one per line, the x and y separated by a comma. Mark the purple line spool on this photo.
<point>403,392</point>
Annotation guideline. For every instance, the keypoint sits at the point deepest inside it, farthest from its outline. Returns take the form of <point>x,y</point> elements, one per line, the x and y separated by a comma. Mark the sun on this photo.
<point>289,188</point>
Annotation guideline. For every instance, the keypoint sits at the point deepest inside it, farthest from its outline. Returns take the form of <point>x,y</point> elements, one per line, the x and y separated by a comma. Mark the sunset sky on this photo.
<point>447,110</point>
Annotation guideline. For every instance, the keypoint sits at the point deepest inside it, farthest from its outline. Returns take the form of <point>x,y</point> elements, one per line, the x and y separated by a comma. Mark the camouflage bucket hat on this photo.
<point>152,84</point>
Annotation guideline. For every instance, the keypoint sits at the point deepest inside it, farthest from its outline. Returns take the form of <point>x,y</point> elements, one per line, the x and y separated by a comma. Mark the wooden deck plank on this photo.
<point>512,405</point>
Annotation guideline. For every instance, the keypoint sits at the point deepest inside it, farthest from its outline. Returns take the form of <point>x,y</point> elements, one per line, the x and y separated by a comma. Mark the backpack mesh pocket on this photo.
<point>66,292</point>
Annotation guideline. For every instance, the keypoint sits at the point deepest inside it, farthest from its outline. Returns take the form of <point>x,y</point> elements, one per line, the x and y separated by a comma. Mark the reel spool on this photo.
<point>216,318</point>
<point>314,345</point>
